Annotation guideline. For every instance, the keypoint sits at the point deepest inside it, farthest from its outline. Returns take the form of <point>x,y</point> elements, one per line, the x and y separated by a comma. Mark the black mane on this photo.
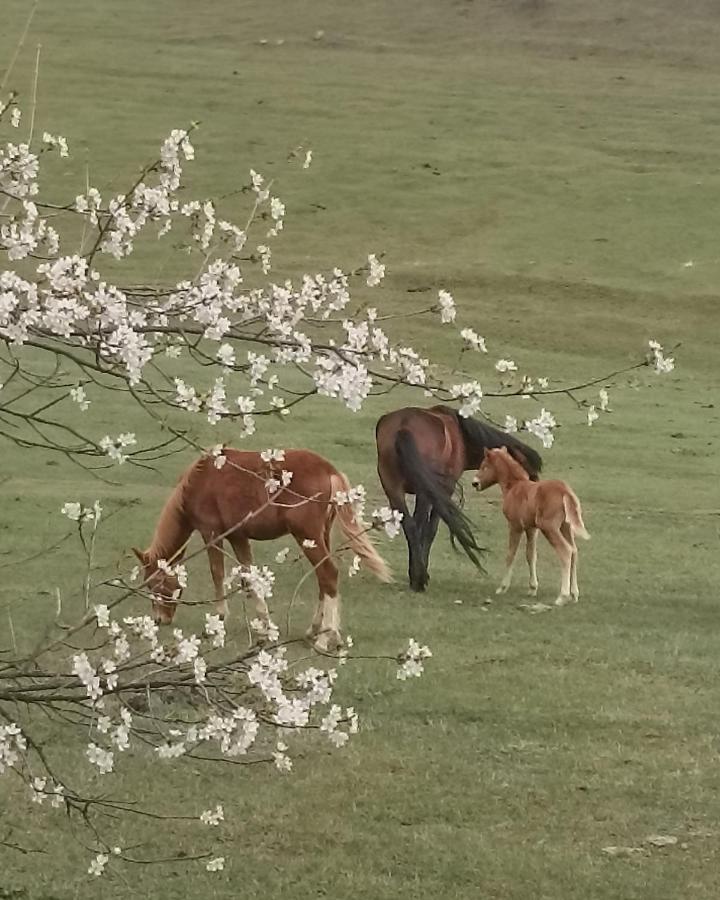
<point>480,436</point>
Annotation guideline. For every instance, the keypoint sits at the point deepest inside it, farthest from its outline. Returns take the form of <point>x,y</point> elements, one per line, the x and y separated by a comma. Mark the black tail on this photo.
<point>438,491</point>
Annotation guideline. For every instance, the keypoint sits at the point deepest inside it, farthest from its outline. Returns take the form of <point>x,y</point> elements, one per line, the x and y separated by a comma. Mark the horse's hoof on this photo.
<point>328,642</point>
<point>532,591</point>
<point>503,589</point>
<point>562,600</point>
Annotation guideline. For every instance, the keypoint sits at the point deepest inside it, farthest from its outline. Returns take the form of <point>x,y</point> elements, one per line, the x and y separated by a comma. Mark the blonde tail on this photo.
<point>573,514</point>
<point>355,532</point>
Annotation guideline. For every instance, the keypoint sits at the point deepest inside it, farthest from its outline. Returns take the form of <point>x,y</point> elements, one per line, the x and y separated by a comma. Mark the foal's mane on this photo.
<point>513,466</point>
<point>480,436</point>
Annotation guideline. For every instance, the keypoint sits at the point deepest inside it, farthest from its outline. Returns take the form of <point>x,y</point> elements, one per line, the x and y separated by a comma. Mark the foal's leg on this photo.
<point>216,559</point>
<point>325,627</point>
<point>567,533</point>
<point>564,551</point>
<point>531,555</point>
<point>515,534</point>
<point>243,552</point>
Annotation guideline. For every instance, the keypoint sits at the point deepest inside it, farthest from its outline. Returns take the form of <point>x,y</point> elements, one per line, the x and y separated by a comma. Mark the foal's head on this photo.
<point>163,585</point>
<point>498,465</point>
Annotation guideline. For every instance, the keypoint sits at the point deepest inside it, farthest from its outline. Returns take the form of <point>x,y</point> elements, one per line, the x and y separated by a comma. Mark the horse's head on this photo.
<point>487,475</point>
<point>163,585</point>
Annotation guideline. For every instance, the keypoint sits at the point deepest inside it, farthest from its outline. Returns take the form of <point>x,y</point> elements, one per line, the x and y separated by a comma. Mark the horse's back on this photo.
<point>239,490</point>
<point>537,502</point>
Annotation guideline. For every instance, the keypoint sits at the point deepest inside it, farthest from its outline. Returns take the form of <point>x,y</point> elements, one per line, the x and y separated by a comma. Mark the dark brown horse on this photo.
<point>424,452</point>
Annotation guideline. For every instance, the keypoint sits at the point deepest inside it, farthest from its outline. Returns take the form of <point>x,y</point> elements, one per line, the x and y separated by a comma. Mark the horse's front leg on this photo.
<point>243,552</point>
<point>216,558</point>
<point>513,543</point>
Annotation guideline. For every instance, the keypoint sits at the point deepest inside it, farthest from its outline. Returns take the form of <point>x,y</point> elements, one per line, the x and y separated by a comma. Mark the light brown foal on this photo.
<point>550,506</point>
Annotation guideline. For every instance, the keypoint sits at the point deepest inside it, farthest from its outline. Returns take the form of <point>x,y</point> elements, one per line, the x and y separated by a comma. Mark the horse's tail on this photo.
<point>573,514</point>
<point>356,531</point>
<point>434,487</point>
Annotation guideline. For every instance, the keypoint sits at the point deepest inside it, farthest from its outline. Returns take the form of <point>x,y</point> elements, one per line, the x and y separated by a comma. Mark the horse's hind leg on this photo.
<point>565,553</point>
<point>428,538</point>
<point>325,627</point>
<point>417,572</point>
<point>531,555</point>
<point>243,552</point>
<point>567,533</point>
<point>426,522</point>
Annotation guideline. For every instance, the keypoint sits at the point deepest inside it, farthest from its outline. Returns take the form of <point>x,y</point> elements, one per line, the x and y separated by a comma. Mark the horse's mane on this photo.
<point>172,517</point>
<point>482,435</point>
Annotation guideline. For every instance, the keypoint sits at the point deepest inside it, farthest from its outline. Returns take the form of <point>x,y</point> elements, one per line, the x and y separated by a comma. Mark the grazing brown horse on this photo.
<point>424,452</point>
<point>234,503</point>
<point>550,506</point>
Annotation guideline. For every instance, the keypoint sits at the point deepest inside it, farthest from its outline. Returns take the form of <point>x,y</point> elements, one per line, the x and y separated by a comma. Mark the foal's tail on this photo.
<point>573,514</point>
<point>356,532</point>
<point>437,490</point>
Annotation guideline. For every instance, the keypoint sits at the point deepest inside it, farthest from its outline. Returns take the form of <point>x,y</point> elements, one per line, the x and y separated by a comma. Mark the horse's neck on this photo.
<point>172,530</point>
<point>512,474</point>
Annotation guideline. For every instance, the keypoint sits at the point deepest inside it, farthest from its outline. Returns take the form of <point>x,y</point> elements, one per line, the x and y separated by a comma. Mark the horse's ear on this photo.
<point>140,555</point>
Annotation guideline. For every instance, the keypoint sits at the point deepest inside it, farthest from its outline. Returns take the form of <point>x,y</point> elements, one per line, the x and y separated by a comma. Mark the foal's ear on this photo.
<point>140,555</point>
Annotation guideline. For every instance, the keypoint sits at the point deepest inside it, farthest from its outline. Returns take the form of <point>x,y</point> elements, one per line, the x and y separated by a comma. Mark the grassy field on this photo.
<point>556,166</point>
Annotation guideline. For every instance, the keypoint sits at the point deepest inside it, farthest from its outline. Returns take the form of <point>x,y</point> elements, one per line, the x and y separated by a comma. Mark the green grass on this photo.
<point>577,151</point>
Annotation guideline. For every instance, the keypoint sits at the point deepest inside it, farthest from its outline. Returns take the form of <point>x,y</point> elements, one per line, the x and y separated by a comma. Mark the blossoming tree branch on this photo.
<point>224,343</point>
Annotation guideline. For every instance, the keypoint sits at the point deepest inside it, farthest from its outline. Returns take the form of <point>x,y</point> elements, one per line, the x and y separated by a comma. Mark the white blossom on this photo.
<point>226,355</point>
<point>473,340</point>
<point>470,392</point>
<point>663,364</point>
<point>505,365</point>
<point>212,817</point>
<point>103,759</point>
<point>446,304</point>
<point>354,566</point>
<point>12,746</point>
<point>114,446</point>
<point>97,866</point>
<point>272,455</point>
<point>215,629</point>
<point>388,519</point>
<point>283,763</point>
<point>79,396</point>
<point>72,510</point>
<point>541,426</point>
<point>376,271</point>
<point>411,660</point>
